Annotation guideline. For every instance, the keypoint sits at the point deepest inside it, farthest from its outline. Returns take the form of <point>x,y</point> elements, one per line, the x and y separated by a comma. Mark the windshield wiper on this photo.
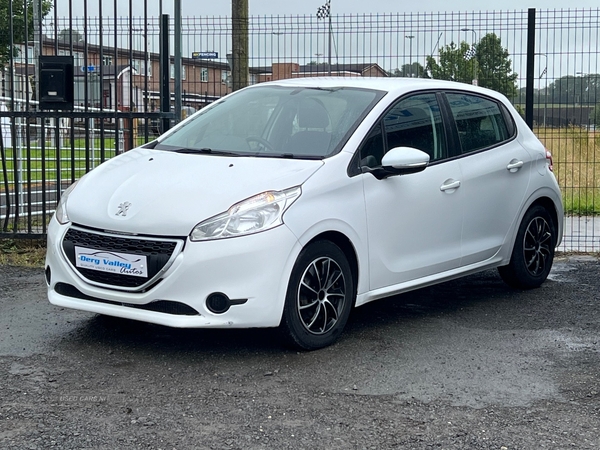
<point>287,156</point>
<point>282,155</point>
<point>205,150</point>
<point>210,151</point>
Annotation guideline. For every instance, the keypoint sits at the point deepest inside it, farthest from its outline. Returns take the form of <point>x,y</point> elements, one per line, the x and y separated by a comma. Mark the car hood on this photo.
<point>169,193</point>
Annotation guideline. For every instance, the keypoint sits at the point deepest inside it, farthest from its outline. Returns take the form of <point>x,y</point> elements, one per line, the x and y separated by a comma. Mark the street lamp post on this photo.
<point>542,73</point>
<point>580,96</point>
<point>410,38</point>
<point>472,45</point>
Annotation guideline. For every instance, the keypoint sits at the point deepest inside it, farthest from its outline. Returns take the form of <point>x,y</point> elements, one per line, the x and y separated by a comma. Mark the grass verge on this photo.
<point>576,155</point>
<point>22,252</point>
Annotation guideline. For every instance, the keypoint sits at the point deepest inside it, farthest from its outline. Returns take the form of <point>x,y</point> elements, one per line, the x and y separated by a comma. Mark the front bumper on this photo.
<point>255,268</point>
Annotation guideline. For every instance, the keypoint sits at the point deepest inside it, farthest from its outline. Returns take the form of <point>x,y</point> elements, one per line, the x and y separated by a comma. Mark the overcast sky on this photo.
<point>574,50</point>
<point>274,7</point>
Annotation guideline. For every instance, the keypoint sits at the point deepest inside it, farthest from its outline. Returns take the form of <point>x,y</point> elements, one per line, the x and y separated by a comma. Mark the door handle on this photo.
<point>514,165</point>
<point>450,185</point>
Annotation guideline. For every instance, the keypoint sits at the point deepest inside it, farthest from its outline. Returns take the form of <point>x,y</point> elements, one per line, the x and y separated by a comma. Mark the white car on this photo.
<point>287,204</point>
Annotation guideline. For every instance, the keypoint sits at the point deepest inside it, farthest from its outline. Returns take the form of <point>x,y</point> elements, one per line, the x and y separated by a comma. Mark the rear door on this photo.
<point>495,172</point>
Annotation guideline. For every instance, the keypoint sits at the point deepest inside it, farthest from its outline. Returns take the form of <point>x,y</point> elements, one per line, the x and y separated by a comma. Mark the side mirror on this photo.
<point>405,158</point>
<point>400,161</point>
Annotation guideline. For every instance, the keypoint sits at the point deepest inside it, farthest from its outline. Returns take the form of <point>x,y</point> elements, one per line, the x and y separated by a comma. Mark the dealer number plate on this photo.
<point>112,262</point>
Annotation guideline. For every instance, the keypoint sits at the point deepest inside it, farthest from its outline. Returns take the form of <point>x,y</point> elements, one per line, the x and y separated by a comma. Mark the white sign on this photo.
<point>113,262</point>
<point>205,55</point>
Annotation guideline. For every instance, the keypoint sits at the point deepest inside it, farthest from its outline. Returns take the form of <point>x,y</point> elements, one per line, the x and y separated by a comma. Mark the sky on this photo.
<point>570,50</point>
<point>282,7</point>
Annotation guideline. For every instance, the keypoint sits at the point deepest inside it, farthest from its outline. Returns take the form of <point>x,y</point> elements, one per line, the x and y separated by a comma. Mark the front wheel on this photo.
<point>533,253</point>
<point>319,297</point>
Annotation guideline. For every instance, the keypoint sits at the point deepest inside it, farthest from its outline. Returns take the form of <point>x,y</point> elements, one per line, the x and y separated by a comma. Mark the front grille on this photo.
<point>157,252</point>
<point>163,306</point>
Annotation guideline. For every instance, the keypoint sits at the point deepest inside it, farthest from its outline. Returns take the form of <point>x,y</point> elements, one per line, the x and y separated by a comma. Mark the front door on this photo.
<point>414,221</point>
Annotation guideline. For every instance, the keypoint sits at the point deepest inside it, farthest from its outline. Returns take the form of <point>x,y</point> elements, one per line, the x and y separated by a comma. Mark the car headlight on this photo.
<point>258,213</point>
<point>61,209</point>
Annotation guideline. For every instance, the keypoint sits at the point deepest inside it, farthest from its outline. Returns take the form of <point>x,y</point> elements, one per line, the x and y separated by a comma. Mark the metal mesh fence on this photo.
<point>118,68</point>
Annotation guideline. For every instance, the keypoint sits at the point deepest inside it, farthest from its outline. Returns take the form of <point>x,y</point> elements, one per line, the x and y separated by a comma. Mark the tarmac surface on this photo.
<point>467,364</point>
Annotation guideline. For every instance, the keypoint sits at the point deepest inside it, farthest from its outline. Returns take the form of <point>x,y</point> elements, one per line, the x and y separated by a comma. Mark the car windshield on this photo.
<point>275,121</point>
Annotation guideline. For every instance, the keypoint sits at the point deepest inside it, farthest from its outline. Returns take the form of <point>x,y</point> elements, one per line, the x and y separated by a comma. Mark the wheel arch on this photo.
<point>548,201</point>
<point>548,204</point>
<point>532,255</point>
<point>346,246</point>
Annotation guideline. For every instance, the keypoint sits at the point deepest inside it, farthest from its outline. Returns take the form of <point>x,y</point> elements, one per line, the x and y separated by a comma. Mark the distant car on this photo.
<point>287,204</point>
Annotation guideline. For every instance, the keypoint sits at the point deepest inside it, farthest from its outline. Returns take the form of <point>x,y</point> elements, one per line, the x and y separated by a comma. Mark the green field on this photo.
<point>576,154</point>
<point>72,159</point>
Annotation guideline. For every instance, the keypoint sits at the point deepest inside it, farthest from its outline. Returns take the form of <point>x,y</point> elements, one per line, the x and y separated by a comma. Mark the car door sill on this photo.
<point>430,280</point>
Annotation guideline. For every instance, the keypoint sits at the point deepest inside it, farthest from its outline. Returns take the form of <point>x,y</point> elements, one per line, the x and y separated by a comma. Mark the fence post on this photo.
<point>165,61</point>
<point>177,61</point>
<point>530,67</point>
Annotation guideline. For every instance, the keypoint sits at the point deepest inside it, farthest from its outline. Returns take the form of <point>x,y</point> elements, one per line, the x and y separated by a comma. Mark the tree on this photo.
<point>487,61</point>
<point>494,66</point>
<point>595,116</point>
<point>570,89</point>
<point>7,42</point>
<point>453,65</point>
<point>68,34</point>
<point>414,70</point>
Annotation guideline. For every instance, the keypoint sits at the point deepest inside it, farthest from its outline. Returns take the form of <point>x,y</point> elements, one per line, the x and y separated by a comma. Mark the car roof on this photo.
<point>394,85</point>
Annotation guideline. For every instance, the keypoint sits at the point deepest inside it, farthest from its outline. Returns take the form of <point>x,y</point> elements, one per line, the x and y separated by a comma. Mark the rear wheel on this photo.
<point>319,298</point>
<point>533,253</point>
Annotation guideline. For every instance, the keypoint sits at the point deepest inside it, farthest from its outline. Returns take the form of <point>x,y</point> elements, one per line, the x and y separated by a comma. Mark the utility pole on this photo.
<point>37,43</point>
<point>239,18</point>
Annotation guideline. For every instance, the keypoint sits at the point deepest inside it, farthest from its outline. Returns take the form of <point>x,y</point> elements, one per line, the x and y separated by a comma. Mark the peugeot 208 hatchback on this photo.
<point>287,204</point>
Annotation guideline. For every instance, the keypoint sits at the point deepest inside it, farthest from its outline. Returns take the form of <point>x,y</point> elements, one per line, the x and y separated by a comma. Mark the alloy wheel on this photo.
<point>537,246</point>
<point>321,295</point>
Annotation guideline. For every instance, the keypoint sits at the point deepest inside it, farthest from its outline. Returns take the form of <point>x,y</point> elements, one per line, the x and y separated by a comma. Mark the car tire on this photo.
<point>321,292</point>
<point>533,252</point>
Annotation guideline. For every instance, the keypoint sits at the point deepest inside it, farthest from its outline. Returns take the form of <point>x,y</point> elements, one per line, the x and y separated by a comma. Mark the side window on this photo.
<point>372,149</point>
<point>416,122</point>
<point>413,122</point>
<point>479,121</point>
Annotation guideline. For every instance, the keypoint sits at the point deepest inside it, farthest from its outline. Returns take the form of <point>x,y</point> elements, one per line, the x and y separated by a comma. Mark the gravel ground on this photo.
<point>468,364</point>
